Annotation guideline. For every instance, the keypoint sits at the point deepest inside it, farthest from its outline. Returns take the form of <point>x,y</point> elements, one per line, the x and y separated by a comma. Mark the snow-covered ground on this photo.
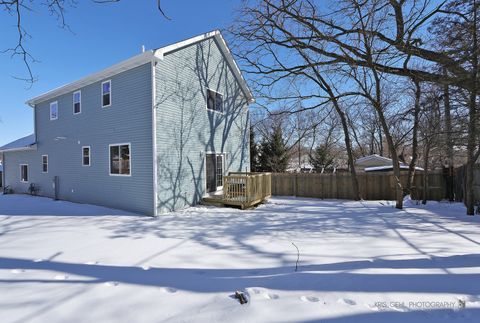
<point>359,262</point>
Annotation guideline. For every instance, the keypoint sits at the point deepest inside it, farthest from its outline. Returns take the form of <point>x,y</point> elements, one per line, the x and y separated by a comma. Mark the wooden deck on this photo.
<point>243,189</point>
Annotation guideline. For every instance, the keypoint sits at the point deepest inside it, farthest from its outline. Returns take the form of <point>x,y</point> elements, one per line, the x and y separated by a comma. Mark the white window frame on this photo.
<point>80,101</point>
<point>110,93</point>
<point>223,101</point>
<point>21,180</point>
<point>89,156</point>
<point>51,105</point>
<point>110,159</point>
<point>44,172</point>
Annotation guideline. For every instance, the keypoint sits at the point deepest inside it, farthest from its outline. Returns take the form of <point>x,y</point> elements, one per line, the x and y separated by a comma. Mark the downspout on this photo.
<point>154,136</point>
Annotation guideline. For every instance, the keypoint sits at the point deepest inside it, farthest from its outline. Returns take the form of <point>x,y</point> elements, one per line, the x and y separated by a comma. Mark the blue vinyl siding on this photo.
<point>186,130</point>
<point>127,120</point>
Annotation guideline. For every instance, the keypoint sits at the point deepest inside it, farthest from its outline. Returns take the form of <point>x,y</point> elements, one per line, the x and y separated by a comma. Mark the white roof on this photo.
<point>402,166</point>
<point>144,58</point>
<point>24,143</point>
<point>373,157</point>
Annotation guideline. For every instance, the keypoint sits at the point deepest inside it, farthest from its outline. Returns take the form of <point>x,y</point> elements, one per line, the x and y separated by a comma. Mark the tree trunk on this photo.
<point>469,188</point>
<point>395,161</point>
<point>413,162</point>
<point>449,142</point>
<point>348,145</point>
<point>425,172</point>
<point>472,112</point>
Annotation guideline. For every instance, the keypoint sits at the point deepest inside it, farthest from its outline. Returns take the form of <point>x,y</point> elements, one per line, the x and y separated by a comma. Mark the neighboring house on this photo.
<point>377,163</point>
<point>1,174</point>
<point>151,134</point>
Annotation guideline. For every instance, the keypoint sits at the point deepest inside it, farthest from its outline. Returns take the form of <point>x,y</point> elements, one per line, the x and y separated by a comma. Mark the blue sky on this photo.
<point>102,35</point>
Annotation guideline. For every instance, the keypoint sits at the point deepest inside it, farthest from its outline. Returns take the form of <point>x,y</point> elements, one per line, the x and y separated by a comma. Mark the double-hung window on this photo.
<point>86,156</point>
<point>214,101</point>
<point>44,163</point>
<point>120,159</point>
<point>77,102</point>
<point>106,93</point>
<point>54,110</point>
<point>24,173</point>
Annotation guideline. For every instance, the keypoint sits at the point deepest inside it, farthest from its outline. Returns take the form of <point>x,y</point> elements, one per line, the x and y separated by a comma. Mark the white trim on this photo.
<point>145,58</point>
<point>95,77</point>
<point>21,181</point>
<point>154,138</point>
<point>47,164</point>
<point>109,93</point>
<point>206,102</point>
<point>89,156</point>
<point>110,163</point>
<point>73,100</point>
<point>31,147</point>
<point>56,116</point>
<point>223,154</point>
<point>161,52</point>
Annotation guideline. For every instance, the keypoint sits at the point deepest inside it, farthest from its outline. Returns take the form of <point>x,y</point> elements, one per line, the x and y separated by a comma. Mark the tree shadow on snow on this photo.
<point>311,277</point>
<point>26,205</point>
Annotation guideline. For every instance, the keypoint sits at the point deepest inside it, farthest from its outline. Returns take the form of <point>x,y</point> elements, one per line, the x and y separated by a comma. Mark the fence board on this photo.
<point>373,186</point>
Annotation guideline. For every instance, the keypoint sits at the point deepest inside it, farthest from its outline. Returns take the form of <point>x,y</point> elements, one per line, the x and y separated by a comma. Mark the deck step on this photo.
<point>213,201</point>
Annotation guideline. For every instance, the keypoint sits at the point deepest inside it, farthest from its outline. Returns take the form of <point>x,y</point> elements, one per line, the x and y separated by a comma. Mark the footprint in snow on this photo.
<point>372,307</point>
<point>254,290</point>
<point>271,296</point>
<point>61,277</point>
<point>112,283</point>
<point>400,308</point>
<point>311,299</point>
<point>169,290</point>
<point>17,271</point>
<point>91,263</point>
<point>347,301</point>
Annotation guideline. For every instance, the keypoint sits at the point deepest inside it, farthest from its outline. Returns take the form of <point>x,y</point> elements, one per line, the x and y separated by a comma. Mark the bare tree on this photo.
<point>56,8</point>
<point>385,37</point>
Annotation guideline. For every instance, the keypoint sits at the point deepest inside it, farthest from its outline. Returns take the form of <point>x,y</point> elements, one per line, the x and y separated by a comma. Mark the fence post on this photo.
<point>295,185</point>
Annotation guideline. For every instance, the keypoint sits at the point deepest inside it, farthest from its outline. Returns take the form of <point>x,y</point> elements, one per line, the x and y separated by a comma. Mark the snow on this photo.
<point>359,262</point>
<point>386,168</point>
<point>24,142</point>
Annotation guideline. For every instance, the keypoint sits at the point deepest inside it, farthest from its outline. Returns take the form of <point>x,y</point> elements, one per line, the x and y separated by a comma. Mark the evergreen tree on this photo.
<point>321,158</point>
<point>273,152</point>
<point>254,153</point>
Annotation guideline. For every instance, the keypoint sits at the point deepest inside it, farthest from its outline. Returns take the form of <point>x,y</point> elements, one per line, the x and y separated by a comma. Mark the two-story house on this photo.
<point>151,134</point>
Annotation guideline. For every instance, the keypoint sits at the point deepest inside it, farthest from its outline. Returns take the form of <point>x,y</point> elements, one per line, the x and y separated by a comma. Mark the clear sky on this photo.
<point>102,35</point>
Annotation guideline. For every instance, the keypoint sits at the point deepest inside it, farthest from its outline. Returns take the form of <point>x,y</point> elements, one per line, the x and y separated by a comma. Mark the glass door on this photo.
<point>214,168</point>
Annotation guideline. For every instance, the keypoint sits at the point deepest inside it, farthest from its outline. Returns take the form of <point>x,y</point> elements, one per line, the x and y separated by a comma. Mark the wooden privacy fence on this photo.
<point>373,185</point>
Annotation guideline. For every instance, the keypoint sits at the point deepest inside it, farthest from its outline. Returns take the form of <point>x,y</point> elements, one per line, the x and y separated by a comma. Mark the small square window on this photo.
<point>77,102</point>
<point>106,93</point>
<point>54,110</point>
<point>214,101</point>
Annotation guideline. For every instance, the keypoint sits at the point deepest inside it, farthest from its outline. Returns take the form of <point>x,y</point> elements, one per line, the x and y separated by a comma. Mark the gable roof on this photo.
<point>373,157</point>
<point>144,58</point>
<point>25,143</point>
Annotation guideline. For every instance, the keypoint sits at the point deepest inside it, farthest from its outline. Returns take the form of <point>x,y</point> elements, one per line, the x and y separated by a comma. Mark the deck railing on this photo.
<point>246,189</point>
